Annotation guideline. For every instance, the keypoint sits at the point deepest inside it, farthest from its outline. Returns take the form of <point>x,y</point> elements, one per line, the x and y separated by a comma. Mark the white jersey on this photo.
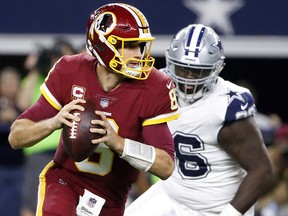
<point>204,173</point>
<point>205,177</point>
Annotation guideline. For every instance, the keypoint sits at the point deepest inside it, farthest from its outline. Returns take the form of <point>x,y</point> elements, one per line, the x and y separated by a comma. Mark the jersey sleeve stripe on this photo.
<point>42,188</point>
<point>49,97</point>
<point>161,118</point>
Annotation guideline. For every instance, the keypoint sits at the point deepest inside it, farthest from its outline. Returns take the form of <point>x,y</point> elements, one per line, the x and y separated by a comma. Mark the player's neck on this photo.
<point>108,80</point>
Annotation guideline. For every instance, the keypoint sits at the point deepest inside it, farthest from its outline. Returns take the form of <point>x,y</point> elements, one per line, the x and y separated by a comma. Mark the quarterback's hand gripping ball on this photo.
<point>77,139</point>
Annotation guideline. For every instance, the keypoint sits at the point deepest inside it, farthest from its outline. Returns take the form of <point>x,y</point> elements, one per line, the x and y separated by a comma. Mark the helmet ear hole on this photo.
<point>212,50</point>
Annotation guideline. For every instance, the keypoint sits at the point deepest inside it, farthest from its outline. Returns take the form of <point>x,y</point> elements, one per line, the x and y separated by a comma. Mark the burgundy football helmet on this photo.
<point>109,28</point>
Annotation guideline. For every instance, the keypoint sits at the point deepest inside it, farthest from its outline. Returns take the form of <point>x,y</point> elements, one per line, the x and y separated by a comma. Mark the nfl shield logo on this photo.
<point>91,202</point>
<point>104,102</point>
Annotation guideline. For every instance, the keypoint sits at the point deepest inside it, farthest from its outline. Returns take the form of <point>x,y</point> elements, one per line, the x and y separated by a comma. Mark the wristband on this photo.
<point>230,211</point>
<point>139,155</point>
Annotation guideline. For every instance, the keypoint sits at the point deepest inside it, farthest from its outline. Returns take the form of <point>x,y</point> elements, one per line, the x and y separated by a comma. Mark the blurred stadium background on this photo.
<point>254,35</point>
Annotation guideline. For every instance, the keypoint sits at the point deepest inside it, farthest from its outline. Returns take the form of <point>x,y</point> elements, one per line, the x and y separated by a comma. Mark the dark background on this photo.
<point>257,17</point>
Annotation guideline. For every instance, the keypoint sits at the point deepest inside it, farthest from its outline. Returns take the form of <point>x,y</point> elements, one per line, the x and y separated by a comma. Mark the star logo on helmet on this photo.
<point>219,45</point>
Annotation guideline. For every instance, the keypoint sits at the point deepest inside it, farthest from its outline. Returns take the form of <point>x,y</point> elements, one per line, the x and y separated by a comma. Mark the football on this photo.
<point>77,139</point>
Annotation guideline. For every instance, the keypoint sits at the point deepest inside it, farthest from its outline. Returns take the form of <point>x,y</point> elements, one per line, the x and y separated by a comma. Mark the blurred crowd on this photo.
<point>19,169</point>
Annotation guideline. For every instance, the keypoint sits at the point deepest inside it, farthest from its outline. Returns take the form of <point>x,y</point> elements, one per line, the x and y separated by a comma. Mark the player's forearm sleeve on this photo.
<point>139,155</point>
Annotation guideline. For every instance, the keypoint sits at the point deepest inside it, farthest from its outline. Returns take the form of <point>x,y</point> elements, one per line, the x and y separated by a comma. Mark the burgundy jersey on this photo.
<point>131,106</point>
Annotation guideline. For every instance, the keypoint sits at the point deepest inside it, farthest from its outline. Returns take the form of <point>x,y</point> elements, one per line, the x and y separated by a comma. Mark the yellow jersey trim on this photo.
<point>42,188</point>
<point>49,97</point>
<point>161,118</point>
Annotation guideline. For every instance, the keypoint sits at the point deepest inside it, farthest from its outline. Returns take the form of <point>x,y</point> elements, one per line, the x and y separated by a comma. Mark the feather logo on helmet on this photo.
<point>104,23</point>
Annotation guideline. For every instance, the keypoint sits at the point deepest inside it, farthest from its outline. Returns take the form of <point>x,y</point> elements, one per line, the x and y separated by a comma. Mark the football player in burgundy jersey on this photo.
<point>135,101</point>
<point>221,162</point>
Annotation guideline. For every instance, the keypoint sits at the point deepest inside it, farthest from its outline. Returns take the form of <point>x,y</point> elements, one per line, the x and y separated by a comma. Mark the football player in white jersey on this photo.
<point>221,162</point>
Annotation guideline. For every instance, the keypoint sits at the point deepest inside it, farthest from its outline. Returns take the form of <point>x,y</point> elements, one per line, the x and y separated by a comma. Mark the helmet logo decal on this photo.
<point>196,43</point>
<point>219,45</point>
<point>105,23</point>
